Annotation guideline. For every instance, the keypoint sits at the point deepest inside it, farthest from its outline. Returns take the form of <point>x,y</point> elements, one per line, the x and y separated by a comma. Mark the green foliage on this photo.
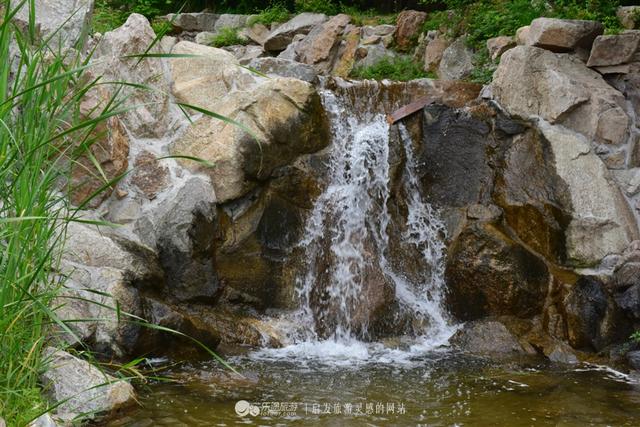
<point>484,67</point>
<point>636,336</point>
<point>484,19</point>
<point>107,17</point>
<point>328,7</point>
<point>398,69</point>
<point>274,13</point>
<point>227,37</point>
<point>367,17</point>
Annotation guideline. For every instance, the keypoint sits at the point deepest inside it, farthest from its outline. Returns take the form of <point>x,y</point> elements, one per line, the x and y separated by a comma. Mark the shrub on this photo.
<point>227,37</point>
<point>327,7</point>
<point>399,68</point>
<point>275,13</point>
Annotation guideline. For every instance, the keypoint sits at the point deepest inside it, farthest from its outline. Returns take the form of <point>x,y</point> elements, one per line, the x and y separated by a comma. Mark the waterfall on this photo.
<point>347,242</point>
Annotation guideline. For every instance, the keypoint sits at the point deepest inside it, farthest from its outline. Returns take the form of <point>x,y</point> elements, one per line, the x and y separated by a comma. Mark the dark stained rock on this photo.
<point>594,319</point>
<point>633,357</point>
<point>489,274</point>
<point>629,301</point>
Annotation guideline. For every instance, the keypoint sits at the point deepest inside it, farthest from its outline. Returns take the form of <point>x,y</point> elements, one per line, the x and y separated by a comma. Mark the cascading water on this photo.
<point>347,241</point>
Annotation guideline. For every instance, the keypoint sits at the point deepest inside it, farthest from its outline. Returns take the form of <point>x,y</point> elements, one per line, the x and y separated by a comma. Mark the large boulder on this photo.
<point>490,274</point>
<point>81,390</point>
<point>66,22</point>
<point>320,47</point>
<point>434,51</point>
<point>486,337</point>
<point>284,68</point>
<point>205,21</point>
<point>284,116</point>
<point>613,49</point>
<point>563,35</point>
<point>567,93</point>
<point>457,61</point>
<point>601,221</point>
<point>149,116</point>
<point>409,25</point>
<point>282,36</point>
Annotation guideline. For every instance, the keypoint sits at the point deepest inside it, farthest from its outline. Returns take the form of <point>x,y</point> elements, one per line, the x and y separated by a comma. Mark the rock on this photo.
<point>499,45</point>
<point>44,420</point>
<point>150,116</point>
<point>522,35</point>
<point>601,222</point>
<point>614,69</point>
<point>346,57</point>
<point>633,357</point>
<point>182,229</point>
<point>433,52</point>
<point>149,176</point>
<point>627,272</point>
<point>568,93</point>
<point>82,389</point>
<point>372,54</point>
<point>484,213</point>
<point>300,24</point>
<point>486,337</point>
<point>257,33</point>
<point>563,35</point>
<point>290,52</point>
<point>103,271</point>
<point>66,21</point>
<point>231,20</point>
<point>489,274</point>
<point>109,147</point>
<point>245,54</point>
<point>629,85</point>
<point>628,16</point>
<point>201,21</point>
<point>593,318</point>
<point>377,30</point>
<point>285,68</point>
<point>409,24</point>
<point>320,46</point>
<point>613,49</point>
<point>629,301</point>
<point>457,61</point>
<point>285,115</point>
<point>561,353</point>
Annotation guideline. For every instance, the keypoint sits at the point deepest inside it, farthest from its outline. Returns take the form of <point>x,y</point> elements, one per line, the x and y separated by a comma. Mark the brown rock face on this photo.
<point>434,51</point>
<point>320,46</point>
<point>108,144</point>
<point>499,45</point>
<point>490,274</point>
<point>149,175</point>
<point>409,24</point>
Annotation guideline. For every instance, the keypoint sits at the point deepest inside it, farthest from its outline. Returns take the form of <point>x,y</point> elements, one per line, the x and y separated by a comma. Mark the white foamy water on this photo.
<point>346,238</point>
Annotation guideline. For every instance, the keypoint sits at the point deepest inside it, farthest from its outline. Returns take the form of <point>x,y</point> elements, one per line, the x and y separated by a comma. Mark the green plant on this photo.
<point>106,17</point>
<point>484,67</point>
<point>393,68</point>
<point>227,37</point>
<point>636,336</point>
<point>274,13</point>
<point>328,7</point>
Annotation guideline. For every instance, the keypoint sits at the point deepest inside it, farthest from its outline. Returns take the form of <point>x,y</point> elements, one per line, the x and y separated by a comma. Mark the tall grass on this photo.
<point>41,133</point>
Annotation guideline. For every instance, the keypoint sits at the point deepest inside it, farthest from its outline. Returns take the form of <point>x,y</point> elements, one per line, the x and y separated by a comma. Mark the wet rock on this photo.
<point>633,358</point>
<point>484,213</point>
<point>613,49</point>
<point>320,47</point>
<point>409,24</point>
<point>486,337</point>
<point>562,35</point>
<point>150,176</point>
<point>457,61</point>
<point>489,274</point>
<point>279,39</point>
<point>629,301</point>
<point>499,45</point>
<point>561,353</point>
<point>601,222</point>
<point>182,229</point>
<point>82,389</point>
<point>568,93</point>
<point>593,318</point>
<point>628,16</point>
<point>149,115</point>
<point>434,51</point>
<point>109,148</point>
<point>285,68</point>
<point>66,21</point>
